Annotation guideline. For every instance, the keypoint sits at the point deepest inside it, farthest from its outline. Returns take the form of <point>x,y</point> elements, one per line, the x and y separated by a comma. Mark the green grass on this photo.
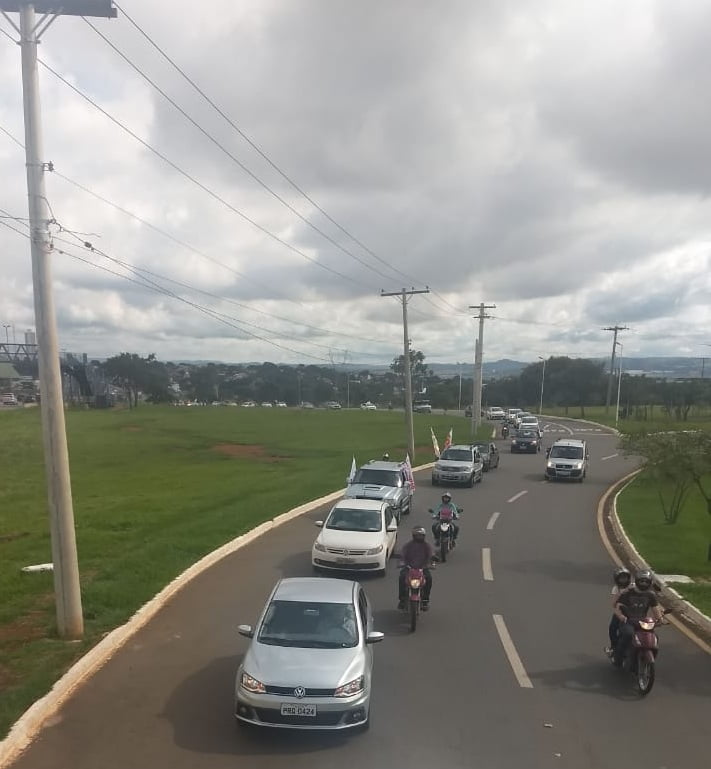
<point>152,495</point>
<point>679,548</point>
<point>657,419</point>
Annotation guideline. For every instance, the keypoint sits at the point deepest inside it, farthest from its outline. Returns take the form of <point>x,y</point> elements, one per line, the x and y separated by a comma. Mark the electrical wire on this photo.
<point>185,174</point>
<point>263,154</point>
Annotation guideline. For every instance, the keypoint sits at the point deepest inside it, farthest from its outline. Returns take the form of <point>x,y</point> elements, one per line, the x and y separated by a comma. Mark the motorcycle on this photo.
<point>446,531</point>
<point>505,431</point>
<point>641,655</point>
<point>415,581</point>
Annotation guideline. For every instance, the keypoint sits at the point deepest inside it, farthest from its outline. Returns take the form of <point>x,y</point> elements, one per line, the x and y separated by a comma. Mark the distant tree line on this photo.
<point>570,383</point>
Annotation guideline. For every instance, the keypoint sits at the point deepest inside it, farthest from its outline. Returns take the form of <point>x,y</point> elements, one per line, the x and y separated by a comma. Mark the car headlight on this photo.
<point>438,466</point>
<point>514,440</point>
<point>318,546</point>
<point>578,465</point>
<point>374,550</point>
<point>252,685</point>
<point>551,464</point>
<point>352,687</point>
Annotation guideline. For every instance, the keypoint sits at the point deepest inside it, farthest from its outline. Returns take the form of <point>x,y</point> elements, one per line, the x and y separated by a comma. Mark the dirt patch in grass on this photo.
<point>246,451</point>
<point>27,628</point>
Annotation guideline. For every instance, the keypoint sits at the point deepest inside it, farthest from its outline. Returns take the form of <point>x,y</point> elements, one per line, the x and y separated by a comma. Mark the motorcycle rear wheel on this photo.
<point>443,550</point>
<point>645,676</point>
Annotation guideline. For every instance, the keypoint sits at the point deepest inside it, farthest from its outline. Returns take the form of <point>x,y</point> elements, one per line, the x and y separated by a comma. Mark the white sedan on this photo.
<point>368,406</point>
<point>357,535</point>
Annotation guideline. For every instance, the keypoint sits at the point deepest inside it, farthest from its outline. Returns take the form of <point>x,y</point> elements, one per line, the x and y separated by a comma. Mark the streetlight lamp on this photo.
<point>543,379</point>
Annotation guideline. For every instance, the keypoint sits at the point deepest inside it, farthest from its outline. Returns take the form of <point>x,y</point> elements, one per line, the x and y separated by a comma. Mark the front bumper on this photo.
<point>525,448</point>
<point>440,476</point>
<point>333,713</point>
<point>351,563</point>
<point>563,474</point>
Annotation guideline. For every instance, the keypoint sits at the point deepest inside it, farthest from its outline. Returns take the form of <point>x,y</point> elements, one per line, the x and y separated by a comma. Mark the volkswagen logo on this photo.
<point>300,692</point>
<point>346,552</point>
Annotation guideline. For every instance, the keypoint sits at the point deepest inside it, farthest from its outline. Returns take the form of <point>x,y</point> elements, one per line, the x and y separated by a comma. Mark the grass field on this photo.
<point>658,420</point>
<point>680,548</point>
<point>155,489</point>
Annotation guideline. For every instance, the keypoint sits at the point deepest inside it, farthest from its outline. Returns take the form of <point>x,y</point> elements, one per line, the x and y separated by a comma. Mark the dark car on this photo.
<point>526,441</point>
<point>489,455</point>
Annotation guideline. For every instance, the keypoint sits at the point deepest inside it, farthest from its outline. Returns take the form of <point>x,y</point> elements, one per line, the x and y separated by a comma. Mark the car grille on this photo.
<point>288,691</point>
<point>345,566</point>
<point>341,551</point>
<point>327,718</point>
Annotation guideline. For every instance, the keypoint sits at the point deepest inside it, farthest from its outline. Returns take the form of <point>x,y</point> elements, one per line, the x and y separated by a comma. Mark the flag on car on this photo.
<point>435,445</point>
<point>448,439</point>
<point>352,473</point>
<point>408,472</point>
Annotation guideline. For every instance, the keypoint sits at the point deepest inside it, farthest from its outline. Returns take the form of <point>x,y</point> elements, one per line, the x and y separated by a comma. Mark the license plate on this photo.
<point>345,560</point>
<point>289,709</point>
<point>563,472</point>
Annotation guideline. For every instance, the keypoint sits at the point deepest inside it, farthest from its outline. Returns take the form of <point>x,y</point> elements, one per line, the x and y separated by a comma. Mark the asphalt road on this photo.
<point>446,696</point>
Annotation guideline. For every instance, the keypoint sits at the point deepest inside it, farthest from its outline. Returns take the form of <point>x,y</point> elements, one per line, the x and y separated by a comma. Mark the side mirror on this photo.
<point>319,524</point>
<point>392,526</point>
<point>548,452</point>
<point>246,630</point>
<point>430,510</point>
<point>374,637</point>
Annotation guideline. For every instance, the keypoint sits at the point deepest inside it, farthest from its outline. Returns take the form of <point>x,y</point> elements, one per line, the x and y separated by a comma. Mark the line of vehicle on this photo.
<point>492,521</point>
<point>517,496</point>
<point>486,564</point>
<point>514,660</point>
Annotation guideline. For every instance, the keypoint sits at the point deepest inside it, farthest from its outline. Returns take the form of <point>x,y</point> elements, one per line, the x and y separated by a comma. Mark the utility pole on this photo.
<point>404,296</point>
<point>612,363</point>
<point>70,622</point>
<point>478,365</point>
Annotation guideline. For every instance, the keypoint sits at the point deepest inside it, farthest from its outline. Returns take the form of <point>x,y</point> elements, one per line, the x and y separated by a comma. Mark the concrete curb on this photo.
<point>31,721</point>
<point>694,623</point>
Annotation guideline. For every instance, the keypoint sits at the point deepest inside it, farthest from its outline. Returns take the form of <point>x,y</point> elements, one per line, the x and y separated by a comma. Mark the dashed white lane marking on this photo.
<point>492,521</point>
<point>517,496</point>
<point>611,456</point>
<point>486,564</point>
<point>517,666</point>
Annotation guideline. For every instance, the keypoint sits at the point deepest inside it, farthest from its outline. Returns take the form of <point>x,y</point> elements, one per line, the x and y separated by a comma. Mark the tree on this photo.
<point>668,459</point>
<point>136,374</point>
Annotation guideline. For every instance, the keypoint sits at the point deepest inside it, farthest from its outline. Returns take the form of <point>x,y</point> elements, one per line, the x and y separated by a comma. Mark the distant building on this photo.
<point>30,337</point>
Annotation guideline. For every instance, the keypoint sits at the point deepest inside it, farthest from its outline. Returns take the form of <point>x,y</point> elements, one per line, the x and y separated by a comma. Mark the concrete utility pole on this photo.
<point>478,365</point>
<point>404,296</point>
<point>612,363</point>
<point>70,622</point>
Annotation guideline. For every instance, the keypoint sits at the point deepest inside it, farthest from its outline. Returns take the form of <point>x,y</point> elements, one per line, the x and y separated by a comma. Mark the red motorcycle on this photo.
<point>641,655</point>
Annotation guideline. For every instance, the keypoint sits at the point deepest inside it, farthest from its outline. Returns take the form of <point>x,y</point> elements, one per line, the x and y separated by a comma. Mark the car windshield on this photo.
<point>309,625</point>
<point>345,519</point>
<point>457,455</point>
<point>566,452</point>
<point>377,477</point>
<point>529,420</point>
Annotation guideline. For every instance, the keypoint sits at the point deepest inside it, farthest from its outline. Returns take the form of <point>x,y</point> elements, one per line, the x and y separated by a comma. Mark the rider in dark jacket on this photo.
<point>418,554</point>
<point>635,603</point>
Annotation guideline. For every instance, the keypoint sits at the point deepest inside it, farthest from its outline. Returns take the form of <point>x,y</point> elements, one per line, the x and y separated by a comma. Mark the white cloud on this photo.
<point>542,155</point>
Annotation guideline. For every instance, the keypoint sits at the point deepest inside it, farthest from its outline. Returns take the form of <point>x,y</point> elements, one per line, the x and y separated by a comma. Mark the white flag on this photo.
<point>435,445</point>
<point>408,472</point>
<point>352,473</point>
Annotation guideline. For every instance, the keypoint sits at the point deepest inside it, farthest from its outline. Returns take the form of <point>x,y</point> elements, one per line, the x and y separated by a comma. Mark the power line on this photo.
<point>263,154</point>
<point>196,182</point>
<point>234,159</point>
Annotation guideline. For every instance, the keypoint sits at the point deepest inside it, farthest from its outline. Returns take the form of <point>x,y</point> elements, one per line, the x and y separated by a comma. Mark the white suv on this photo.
<point>495,412</point>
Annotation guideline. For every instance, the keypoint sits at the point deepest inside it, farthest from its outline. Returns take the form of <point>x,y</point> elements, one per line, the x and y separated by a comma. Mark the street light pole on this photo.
<point>6,326</point>
<point>459,404</point>
<point>543,379</point>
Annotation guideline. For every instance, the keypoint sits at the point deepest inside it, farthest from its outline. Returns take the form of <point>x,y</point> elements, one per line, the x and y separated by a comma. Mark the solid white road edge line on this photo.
<point>516,665</point>
<point>486,564</point>
<point>611,456</point>
<point>492,521</point>
<point>517,496</point>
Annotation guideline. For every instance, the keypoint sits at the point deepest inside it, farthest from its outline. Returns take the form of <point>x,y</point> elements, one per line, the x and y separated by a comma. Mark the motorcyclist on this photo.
<point>447,504</point>
<point>623,579</point>
<point>635,603</point>
<point>504,430</point>
<point>416,554</point>
<point>386,457</point>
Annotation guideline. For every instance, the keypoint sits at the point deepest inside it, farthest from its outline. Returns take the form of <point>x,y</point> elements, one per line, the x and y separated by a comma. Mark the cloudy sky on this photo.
<point>550,157</point>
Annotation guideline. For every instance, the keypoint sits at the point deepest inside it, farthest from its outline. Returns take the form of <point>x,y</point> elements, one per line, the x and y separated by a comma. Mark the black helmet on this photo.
<point>643,579</point>
<point>419,533</point>
<point>386,456</point>
<point>622,577</point>
<point>446,496</point>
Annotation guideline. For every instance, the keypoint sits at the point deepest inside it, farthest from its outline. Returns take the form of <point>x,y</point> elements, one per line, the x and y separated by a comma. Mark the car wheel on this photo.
<point>472,480</point>
<point>435,482</point>
<point>481,477</point>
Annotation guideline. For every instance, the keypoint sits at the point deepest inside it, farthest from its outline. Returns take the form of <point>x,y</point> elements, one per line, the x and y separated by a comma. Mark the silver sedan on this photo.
<point>310,662</point>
